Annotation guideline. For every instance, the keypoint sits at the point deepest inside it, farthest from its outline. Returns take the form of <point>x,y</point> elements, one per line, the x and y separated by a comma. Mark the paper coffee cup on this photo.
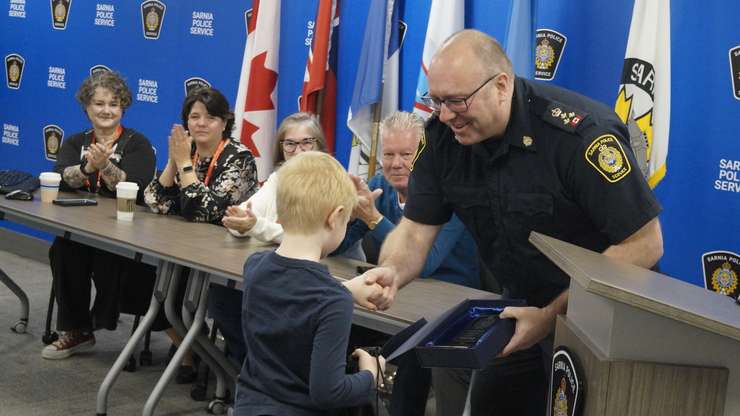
<point>49,186</point>
<point>126,200</point>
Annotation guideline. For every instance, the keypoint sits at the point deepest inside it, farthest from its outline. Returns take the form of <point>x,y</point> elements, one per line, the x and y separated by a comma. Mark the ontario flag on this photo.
<point>445,18</point>
<point>256,99</point>
<point>644,99</point>
<point>319,94</point>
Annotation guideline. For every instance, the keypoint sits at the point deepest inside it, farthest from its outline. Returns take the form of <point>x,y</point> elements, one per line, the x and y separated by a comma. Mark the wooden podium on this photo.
<point>649,344</point>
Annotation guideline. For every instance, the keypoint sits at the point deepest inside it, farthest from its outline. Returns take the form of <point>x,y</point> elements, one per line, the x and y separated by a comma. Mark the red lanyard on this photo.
<point>213,161</point>
<point>116,135</point>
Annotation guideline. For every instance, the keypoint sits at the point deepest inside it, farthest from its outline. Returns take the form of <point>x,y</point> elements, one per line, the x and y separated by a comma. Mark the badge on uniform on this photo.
<point>607,156</point>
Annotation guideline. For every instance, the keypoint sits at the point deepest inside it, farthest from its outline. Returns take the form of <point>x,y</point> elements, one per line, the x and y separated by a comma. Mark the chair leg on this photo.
<point>22,324</point>
<point>50,336</point>
<point>131,365</point>
<point>145,356</point>
<point>199,391</point>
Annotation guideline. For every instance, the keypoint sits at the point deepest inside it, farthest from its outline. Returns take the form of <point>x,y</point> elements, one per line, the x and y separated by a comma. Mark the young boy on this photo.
<point>295,316</point>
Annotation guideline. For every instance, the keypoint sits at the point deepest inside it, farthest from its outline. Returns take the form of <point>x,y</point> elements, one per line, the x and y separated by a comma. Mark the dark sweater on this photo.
<point>296,320</point>
<point>137,160</point>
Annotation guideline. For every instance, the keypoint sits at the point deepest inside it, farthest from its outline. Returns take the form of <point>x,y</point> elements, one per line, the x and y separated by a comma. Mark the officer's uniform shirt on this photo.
<point>559,170</point>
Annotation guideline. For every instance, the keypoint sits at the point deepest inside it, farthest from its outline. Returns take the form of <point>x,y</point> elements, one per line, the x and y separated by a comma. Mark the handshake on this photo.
<point>374,289</point>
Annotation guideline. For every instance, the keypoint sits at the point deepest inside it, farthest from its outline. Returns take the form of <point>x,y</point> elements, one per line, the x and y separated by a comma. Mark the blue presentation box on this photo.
<point>470,335</point>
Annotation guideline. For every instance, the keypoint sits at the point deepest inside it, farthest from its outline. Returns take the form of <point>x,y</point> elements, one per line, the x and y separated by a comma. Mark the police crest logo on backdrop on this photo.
<point>722,272</point>
<point>60,13</point>
<point>14,64</point>
<point>193,83</point>
<point>549,47</point>
<point>152,18</point>
<point>735,70</point>
<point>566,384</point>
<point>53,136</point>
<point>98,68</point>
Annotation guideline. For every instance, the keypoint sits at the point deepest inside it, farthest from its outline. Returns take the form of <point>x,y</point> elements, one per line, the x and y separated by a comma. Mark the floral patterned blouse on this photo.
<point>234,179</point>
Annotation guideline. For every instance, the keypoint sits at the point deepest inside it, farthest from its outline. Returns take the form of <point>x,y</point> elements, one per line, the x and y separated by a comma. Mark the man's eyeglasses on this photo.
<point>306,144</point>
<point>454,104</point>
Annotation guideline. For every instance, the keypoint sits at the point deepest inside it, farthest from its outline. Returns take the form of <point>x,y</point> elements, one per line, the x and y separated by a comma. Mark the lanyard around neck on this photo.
<point>214,158</point>
<point>116,136</point>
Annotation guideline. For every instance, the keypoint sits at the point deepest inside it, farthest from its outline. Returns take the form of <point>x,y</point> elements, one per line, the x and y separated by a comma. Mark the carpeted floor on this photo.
<point>31,385</point>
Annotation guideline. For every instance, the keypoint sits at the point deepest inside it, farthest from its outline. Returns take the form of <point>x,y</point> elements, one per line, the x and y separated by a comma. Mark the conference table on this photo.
<point>214,256</point>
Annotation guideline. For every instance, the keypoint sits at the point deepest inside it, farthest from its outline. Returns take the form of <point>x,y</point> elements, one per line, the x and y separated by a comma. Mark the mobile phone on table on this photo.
<point>74,202</point>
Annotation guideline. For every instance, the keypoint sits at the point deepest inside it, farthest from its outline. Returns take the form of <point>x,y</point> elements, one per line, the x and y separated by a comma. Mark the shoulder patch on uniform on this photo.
<point>420,148</point>
<point>563,117</point>
<point>606,155</point>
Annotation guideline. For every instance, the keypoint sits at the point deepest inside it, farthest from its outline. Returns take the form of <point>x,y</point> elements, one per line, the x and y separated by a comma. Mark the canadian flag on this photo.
<point>256,100</point>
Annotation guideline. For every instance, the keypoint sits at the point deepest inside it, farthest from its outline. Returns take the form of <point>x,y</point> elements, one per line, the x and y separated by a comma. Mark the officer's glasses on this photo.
<point>290,145</point>
<point>454,104</point>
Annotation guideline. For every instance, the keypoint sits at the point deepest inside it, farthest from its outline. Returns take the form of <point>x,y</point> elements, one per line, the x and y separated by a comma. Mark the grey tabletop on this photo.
<point>212,249</point>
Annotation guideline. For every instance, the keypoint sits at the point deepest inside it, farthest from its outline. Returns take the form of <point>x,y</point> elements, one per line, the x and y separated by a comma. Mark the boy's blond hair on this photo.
<point>310,186</point>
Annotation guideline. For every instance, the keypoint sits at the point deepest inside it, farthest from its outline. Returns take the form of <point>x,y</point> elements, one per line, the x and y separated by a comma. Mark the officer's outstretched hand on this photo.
<point>532,325</point>
<point>362,292</point>
<point>387,277</point>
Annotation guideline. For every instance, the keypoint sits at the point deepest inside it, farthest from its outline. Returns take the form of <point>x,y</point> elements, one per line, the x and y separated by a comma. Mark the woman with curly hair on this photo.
<point>95,161</point>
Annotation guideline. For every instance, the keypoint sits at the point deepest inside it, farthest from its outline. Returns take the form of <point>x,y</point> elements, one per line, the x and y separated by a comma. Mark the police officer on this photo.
<point>509,156</point>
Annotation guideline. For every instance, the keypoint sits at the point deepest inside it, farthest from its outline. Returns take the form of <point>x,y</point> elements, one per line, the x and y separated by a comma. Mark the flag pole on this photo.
<point>320,104</point>
<point>374,141</point>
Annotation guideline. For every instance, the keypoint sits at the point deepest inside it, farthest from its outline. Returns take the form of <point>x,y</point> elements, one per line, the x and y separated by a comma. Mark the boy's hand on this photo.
<point>363,292</point>
<point>366,361</point>
<point>387,278</point>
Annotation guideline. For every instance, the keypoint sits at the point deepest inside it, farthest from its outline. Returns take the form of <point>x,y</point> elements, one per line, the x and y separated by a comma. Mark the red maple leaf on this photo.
<point>248,129</point>
<point>262,83</point>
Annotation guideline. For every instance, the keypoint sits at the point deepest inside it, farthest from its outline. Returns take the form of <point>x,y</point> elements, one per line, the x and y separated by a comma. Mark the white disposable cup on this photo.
<point>126,200</point>
<point>49,186</point>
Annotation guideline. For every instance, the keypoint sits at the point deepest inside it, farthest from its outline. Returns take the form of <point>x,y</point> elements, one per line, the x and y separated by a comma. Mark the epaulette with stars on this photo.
<point>563,117</point>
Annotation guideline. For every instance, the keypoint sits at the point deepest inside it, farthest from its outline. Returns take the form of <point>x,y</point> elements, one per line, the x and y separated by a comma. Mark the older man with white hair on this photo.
<point>453,257</point>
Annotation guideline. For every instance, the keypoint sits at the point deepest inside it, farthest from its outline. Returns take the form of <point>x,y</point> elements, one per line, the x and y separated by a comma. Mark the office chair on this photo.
<point>132,305</point>
<point>22,324</point>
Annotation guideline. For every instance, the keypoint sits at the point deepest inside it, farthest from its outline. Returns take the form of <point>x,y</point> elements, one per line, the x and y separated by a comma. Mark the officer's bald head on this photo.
<point>478,47</point>
<point>471,68</point>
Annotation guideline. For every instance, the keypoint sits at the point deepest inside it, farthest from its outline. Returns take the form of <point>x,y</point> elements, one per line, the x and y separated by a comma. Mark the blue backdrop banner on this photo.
<point>163,46</point>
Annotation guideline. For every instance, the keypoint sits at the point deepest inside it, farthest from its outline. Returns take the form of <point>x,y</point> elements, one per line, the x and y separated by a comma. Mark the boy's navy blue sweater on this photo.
<point>296,320</point>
